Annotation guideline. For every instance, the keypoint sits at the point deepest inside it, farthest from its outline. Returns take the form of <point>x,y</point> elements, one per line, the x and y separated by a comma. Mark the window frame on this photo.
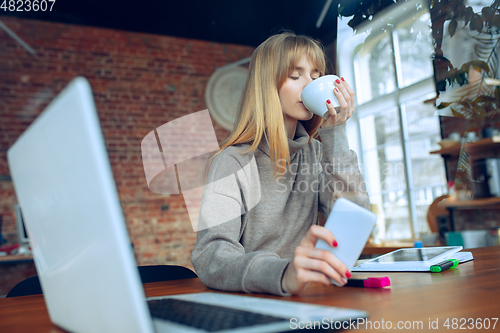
<point>395,99</point>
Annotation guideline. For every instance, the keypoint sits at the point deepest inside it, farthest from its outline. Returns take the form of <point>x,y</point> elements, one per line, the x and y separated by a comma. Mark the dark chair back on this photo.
<point>148,274</point>
<point>158,273</point>
<point>30,286</point>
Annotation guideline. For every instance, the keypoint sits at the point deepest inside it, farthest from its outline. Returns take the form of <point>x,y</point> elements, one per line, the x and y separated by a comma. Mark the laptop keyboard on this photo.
<point>211,318</point>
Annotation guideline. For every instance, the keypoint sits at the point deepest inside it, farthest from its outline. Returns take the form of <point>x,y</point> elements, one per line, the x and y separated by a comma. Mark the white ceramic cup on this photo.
<point>315,94</point>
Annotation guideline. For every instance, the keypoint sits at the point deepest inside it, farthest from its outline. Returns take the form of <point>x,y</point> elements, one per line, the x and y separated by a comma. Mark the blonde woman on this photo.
<point>270,246</point>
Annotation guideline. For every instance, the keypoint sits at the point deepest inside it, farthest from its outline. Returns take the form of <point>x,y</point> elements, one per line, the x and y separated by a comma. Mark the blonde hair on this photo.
<point>260,113</point>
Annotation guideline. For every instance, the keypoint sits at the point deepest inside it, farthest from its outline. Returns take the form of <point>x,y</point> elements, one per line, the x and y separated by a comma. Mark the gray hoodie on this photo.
<point>245,242</point>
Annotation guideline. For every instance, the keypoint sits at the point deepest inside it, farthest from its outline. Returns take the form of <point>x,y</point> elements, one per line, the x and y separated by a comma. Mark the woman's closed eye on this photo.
<point>298,77</point>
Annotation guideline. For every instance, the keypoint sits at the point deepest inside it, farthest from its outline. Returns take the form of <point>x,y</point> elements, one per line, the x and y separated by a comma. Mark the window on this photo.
<point>392,75</point>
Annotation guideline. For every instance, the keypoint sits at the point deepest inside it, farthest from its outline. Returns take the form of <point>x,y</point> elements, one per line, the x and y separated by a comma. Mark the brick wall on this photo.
<point>140,81</point>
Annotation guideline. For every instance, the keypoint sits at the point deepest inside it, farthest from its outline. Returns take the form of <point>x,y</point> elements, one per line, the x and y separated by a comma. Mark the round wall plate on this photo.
<point>223,93</point>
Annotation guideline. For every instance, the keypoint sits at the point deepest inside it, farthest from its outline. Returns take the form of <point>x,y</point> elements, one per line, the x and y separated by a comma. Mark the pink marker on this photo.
<point>373,282</point>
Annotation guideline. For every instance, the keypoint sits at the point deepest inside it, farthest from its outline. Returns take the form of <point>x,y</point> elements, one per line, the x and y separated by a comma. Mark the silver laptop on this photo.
<point>82,252</point>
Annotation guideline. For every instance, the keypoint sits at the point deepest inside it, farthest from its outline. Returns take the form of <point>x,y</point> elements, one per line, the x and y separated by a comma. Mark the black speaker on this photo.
<point>443,226</point>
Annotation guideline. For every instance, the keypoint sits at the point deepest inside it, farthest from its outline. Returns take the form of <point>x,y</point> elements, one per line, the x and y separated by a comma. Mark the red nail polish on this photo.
<point>348,274</point>
<point>337,81</point>
<point>335,244</point>
<point>328,101</point>
<point>336,90</point>
<point>342,78</point>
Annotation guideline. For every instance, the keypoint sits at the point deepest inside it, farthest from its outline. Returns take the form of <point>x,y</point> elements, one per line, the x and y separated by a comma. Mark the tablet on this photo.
<point>351,226</point>
<point>411,259</point>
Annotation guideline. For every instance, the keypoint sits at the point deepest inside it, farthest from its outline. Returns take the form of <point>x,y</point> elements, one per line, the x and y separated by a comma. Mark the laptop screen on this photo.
<point>82,252</point>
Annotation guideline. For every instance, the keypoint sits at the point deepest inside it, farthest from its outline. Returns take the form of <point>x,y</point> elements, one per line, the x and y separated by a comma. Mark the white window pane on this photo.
<point>423,199</point>
<point>393,221</point>
<point>396,213</point>
<point>374,69</point>
<point>389,173</point>
<point>392,167</point>
<point>427,169</point>
<point>422,208</point>
<point>415,49</point>
<point>421,119</point>
<point>385,177</point>
<point>397,219</point>
<point>372,172</point>
<point>380,129</point>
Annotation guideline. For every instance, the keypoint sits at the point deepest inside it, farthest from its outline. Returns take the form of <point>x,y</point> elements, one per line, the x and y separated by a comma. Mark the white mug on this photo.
<point>315,94</point>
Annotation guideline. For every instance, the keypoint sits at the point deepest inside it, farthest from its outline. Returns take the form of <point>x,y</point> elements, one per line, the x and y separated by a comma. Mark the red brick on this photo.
<point>130,74</point>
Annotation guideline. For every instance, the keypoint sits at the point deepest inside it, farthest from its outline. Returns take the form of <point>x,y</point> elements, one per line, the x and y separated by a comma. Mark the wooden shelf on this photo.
<point>453,150</point>
<point>471,204</point>
<point>485,148</point>
<point>493,142</point>
<point>472,148</point>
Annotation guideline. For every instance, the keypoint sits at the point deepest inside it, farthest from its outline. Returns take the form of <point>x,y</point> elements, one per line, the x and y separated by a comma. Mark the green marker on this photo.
<point>442,266</point>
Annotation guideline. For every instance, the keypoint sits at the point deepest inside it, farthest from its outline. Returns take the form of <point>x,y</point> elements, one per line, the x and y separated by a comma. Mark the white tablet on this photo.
<point>411,259</point>
<point>351,226</point>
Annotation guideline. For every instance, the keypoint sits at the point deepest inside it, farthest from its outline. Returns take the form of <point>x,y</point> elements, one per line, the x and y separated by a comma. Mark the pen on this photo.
<point>442,266</point>
<point>373,282</point>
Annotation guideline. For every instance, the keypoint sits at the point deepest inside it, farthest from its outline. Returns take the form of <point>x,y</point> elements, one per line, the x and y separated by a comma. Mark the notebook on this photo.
<point>82,251</point>
<point>413,259</point>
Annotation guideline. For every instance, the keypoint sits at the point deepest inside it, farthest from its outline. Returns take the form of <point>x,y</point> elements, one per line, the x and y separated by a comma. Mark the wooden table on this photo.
<point>472,290</point>
<point>15,259</point>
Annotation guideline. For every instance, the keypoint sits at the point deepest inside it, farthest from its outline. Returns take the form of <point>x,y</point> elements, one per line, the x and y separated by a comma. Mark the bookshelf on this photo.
<point>474,149</point>
<point>483,148</point>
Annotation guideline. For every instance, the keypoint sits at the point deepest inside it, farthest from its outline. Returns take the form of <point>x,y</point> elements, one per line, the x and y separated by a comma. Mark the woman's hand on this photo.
<point>313,265</point>
<point>345,96</point>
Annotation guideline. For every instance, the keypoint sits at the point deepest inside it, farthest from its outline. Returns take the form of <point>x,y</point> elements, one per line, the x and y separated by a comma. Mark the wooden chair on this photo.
<point>434,211</point>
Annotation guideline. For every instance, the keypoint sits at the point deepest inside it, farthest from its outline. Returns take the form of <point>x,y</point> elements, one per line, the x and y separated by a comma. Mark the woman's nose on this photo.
<point>308,80</point>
